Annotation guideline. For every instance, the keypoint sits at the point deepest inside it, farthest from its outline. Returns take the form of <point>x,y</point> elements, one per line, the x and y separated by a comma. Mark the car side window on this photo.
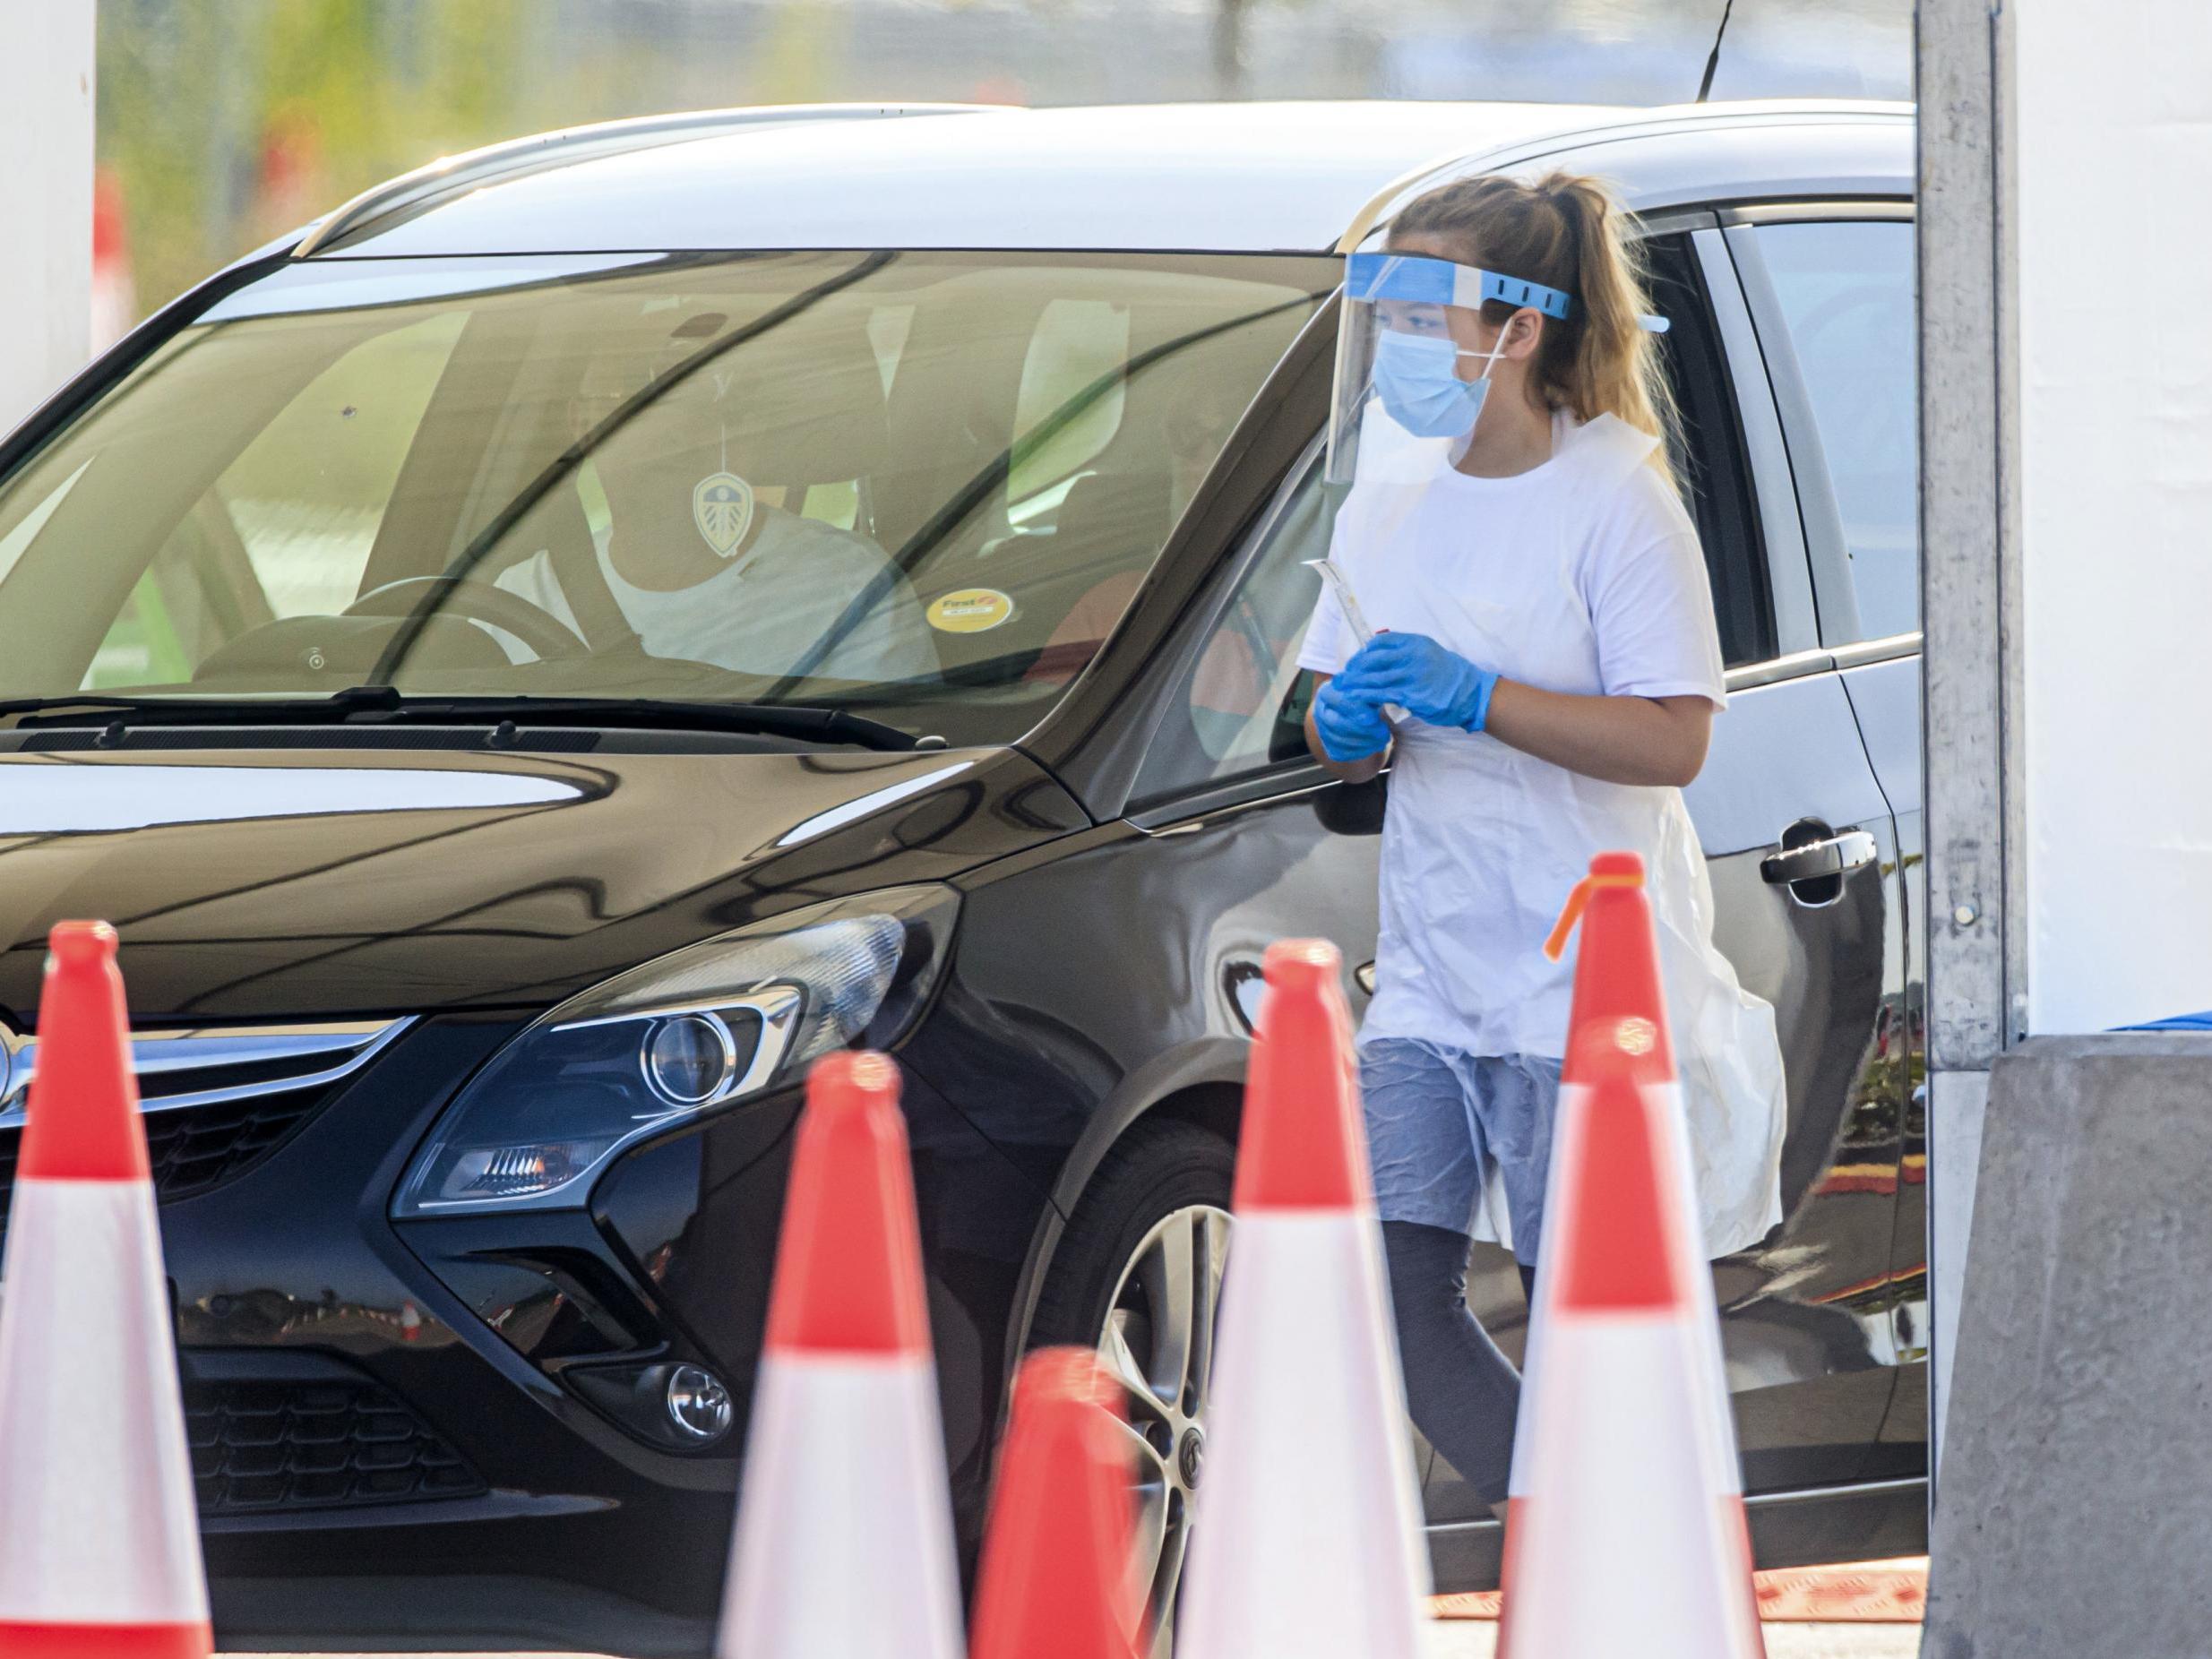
<point>1845,288</point>
<point>1239,707</point>
<point>1706,453</point>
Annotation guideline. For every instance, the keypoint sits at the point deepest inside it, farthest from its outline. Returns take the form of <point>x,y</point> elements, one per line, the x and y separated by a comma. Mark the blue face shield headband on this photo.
<point>1413,355</point>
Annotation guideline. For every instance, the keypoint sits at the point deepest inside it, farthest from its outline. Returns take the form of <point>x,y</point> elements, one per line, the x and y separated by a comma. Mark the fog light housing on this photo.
<point>699,1404</point>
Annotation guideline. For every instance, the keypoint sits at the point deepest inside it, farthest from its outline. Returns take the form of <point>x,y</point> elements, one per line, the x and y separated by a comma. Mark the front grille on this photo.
<point>217,1103</point>
<point>195,1150</point>
<point>332,1442</point>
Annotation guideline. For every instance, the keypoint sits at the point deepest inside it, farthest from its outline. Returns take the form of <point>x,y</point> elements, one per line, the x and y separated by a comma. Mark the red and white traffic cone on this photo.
<point>1308,1544</point>
<point>1054,1581</point>
<point>99,1546</point>
<point>1625,1531</point>
<point>844,1539</point>
<point>115,302</point>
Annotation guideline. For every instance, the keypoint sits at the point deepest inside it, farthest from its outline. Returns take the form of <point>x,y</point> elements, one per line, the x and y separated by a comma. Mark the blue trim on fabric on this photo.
<point>2176,1022</point>
<point>1513,291</point>
<point>1418,279</point>
<point>1421,280</point>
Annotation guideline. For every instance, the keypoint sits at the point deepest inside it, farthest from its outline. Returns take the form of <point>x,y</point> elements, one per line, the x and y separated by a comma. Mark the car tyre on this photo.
<point>1138,1276</point>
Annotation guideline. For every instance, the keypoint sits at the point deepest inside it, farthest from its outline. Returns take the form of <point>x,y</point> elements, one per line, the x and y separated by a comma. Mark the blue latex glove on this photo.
<point>1351,728</point>
<point>1428,681</point>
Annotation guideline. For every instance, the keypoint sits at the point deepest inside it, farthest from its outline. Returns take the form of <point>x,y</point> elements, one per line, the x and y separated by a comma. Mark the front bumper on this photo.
<point>432,1433</point>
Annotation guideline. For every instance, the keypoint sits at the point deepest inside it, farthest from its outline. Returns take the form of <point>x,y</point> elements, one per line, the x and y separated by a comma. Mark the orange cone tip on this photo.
<point>83,1115</point>
<point>849,1272</point>
<point>1302,1146</point>
<point>1055,1576</point>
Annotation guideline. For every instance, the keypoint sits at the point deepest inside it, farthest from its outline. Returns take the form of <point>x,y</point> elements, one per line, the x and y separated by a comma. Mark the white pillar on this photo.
<point>45,198</point>
<point>2113,131</point>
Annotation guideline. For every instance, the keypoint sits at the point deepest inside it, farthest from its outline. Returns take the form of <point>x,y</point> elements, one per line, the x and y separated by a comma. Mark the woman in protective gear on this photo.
<point>1542,680</point>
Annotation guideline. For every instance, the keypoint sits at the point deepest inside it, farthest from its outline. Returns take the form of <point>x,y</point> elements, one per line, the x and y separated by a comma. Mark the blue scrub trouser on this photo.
<point>1438,1121</point>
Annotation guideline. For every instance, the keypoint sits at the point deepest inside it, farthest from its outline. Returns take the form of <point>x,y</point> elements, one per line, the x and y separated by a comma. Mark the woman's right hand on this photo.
<point>1347,726</point>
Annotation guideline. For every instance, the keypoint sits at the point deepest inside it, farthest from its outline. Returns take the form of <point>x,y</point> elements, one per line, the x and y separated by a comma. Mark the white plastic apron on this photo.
<point>1482,844</point>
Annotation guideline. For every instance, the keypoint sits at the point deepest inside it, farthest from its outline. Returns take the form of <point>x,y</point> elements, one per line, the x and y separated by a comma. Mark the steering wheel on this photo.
<point>546,634</point>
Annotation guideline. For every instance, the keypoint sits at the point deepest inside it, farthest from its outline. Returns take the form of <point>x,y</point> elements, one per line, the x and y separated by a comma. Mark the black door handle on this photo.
<point>1831,855</point>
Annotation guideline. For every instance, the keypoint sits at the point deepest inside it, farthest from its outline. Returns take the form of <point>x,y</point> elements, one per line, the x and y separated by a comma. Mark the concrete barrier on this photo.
<point>2076,1494</point>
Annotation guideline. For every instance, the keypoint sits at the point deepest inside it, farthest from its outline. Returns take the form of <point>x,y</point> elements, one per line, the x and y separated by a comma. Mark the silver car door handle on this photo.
<point>1839,854</point>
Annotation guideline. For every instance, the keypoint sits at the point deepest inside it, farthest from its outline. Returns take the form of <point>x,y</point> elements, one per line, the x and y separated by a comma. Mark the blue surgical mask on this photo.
<point>1417,378</point>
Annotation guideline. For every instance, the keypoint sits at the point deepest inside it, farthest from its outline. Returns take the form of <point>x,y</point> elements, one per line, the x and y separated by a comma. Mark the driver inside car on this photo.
<point>702,562</point>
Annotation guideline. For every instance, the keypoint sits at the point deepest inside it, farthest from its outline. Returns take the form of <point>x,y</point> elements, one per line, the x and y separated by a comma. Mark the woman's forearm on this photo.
<point>1621,740</point>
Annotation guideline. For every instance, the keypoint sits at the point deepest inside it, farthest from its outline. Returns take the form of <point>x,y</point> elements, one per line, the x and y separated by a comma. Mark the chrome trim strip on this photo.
<point>1287,783</point>
<point>1882,650</point>
<point>214,1048</point>
<point>1802,212</point>
<point>1796,666</point>
<point>1818,1494</point>
<point>1751,1500</point>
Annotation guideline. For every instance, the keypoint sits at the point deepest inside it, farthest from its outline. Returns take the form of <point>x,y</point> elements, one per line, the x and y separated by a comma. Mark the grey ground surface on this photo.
<point>1469,1640</point>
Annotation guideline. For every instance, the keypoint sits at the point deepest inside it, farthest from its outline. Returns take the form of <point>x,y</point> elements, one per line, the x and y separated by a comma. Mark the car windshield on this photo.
<point>921,486</point>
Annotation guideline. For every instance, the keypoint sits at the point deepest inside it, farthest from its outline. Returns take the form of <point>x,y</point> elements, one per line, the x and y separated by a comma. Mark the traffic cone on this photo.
<point>1308,1541</point>
<point>844,1538</point>
<point>1626,1529</point>
<point>99,1546</point>
<point>1054,1581</point>
<point>114,299</point>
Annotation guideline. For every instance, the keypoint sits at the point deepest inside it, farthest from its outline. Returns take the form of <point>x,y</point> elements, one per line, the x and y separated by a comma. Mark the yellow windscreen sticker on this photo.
<point>969,610</point>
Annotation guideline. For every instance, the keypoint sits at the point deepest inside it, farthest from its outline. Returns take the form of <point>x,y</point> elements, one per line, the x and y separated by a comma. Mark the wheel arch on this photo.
<point>1200,1082</point>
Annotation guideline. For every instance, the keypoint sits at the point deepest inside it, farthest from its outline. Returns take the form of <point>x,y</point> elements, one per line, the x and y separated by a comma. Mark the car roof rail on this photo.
<point>475,167</point>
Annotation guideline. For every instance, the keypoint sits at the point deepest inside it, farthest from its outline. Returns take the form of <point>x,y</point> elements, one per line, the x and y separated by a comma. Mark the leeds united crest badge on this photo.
<point>722,508</point>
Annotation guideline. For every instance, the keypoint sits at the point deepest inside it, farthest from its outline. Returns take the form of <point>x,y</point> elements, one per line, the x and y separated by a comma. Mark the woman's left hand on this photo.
<point>1421,677</point>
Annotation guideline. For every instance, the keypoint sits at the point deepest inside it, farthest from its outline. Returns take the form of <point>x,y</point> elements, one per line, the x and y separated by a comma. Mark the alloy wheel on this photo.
<point>1159,1347</point>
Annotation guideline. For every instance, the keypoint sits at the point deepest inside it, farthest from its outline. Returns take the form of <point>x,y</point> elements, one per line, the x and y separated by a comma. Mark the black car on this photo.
<point>532,661</point>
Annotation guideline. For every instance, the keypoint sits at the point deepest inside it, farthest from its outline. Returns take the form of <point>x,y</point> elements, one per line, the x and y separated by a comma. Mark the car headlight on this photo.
<point>693,1032</point>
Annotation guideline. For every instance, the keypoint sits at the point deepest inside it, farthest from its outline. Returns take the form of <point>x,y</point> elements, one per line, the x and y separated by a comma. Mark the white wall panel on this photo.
<point>2113,132</point>
<point>45,197</point>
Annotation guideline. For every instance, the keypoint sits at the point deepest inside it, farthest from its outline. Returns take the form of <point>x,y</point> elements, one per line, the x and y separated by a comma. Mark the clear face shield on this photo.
<point>1414,363</point>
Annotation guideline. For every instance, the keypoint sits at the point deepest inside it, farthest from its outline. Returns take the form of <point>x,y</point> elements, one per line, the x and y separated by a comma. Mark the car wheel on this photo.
<point>1138,1275</point>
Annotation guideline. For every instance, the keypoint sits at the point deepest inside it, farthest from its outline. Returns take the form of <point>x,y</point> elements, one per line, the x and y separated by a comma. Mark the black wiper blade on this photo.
<point>814,721</point>
<point>91,707</point>
<point>383,704</point>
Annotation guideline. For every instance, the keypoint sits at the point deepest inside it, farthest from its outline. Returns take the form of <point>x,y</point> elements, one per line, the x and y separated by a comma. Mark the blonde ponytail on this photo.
<point>1569,232</point>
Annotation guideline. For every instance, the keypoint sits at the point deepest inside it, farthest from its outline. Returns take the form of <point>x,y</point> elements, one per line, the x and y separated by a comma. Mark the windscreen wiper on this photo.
<point>378,705</point>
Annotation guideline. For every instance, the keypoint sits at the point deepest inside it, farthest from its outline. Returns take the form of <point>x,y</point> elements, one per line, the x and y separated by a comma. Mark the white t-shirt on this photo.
<point>762,613</point>
<point>1580,575</point>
